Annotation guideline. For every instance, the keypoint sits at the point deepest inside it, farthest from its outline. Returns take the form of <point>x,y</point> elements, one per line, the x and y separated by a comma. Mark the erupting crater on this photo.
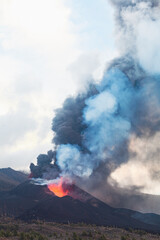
<point>59,188</point>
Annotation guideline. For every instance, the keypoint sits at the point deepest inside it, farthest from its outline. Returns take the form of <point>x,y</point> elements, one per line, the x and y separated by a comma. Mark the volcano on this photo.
<point>29,202</point>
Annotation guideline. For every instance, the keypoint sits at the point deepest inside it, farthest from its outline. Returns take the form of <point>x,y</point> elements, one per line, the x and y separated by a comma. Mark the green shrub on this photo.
<point>102,238</point>
<point>89,234</point>
<point>84,234</point>
<point>22,236</point>
<point>75,237</point>
<point>2,233</point>
<point>55,234</point>
<point>124,238</point>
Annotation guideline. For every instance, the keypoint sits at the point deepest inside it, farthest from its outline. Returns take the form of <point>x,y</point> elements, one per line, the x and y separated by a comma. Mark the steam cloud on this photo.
<point>93,131</point>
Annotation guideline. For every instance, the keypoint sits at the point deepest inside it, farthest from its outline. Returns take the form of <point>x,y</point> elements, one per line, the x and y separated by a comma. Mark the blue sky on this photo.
<point>96,23</point>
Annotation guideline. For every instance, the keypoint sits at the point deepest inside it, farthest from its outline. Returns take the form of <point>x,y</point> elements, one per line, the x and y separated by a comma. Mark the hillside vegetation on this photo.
<point>37,230</point>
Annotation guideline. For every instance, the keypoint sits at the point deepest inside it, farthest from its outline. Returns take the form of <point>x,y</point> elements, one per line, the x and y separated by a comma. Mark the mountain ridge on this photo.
<point>10,178</point>
<point>29,202</point>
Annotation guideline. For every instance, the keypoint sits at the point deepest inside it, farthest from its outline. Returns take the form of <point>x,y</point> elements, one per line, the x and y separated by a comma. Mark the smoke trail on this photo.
<point>126,102</point>
<point>93,132</point>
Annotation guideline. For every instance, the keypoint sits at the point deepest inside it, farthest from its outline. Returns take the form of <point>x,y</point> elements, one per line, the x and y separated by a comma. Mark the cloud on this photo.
<point>137,31</point>
<point>34,42</point>
<point>39,48</point>
<point>148,38</point>
<point>143,169</point>
<point>18,120</point>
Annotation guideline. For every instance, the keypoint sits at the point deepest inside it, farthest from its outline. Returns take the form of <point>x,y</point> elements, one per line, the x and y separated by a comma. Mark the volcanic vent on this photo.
<point>60,189</point>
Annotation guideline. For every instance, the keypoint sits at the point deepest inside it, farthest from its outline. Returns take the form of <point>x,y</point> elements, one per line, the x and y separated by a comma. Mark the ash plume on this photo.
<point>93,131</point>
<point>45,168</point>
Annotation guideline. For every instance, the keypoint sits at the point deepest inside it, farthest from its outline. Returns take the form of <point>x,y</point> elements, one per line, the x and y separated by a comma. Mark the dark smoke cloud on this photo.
<point>92,132</point>
<point>68,127</point>
<point>68,124</point>
<point>45,168</point>
<point>129,67</point>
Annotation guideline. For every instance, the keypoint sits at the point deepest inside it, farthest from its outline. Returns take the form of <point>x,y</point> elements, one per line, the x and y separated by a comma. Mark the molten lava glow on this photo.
<point>57,188</point>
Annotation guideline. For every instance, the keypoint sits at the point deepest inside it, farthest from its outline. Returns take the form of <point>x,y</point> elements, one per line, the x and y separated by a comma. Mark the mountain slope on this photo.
<point>10,178</point>
<point>28,202</point>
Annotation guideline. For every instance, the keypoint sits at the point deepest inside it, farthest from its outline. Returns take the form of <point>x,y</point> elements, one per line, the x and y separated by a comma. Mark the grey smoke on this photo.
<point>92,131</point>
<point>46,167</point>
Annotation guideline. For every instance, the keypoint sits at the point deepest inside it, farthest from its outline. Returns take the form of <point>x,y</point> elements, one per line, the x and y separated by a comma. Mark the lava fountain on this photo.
<point>59,188</point>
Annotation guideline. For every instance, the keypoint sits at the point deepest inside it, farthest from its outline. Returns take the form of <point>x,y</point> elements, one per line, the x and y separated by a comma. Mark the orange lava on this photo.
<point>57,188</point>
